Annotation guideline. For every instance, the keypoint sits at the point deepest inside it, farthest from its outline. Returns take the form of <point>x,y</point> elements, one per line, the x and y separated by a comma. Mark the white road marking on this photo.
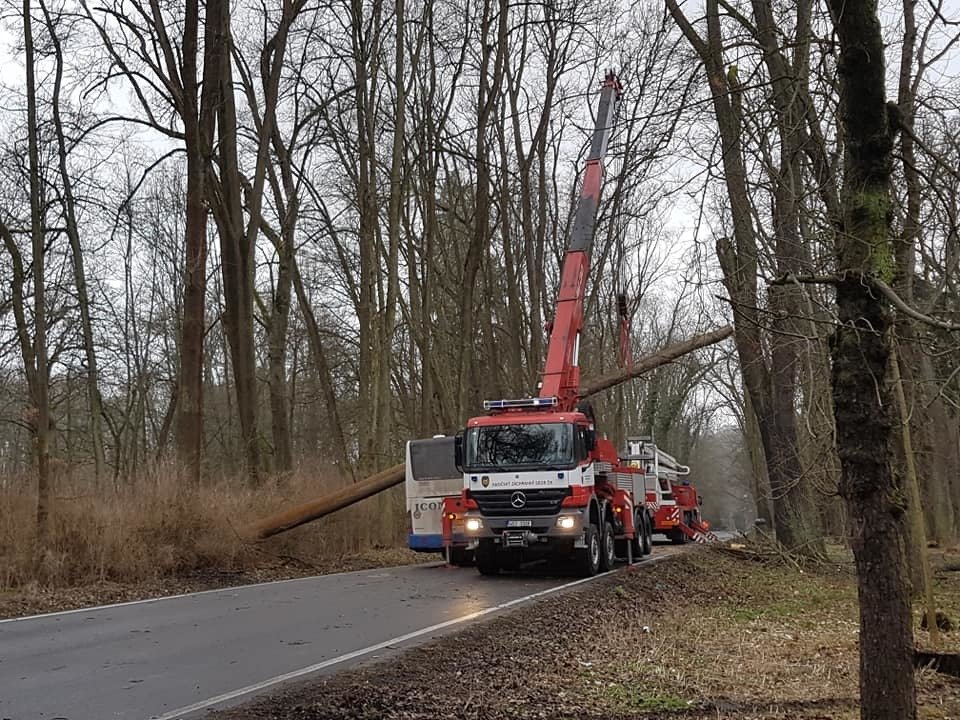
<point>228,588</point>
<point>263,685</point>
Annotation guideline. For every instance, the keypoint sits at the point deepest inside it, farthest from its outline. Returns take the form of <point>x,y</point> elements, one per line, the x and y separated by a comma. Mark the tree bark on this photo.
<point>40,390</point>
<point>277,356</point>
<point>197,114</point>
<point>863,402</point>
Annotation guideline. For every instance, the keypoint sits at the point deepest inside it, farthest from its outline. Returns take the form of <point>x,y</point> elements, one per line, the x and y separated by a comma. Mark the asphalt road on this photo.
<point>175,657</point>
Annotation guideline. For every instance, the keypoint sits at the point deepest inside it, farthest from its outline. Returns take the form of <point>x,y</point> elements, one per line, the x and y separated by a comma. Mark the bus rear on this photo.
<point>431,476</point>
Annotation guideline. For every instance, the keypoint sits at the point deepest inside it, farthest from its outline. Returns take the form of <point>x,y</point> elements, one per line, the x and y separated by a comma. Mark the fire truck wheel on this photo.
<point>608,552</point>
<point>647,537</point>
<point>486,560</point>
<point>461,557</point>
<point>587,560</point>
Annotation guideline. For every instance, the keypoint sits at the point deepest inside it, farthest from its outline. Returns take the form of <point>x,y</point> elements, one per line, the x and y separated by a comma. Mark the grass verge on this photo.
<point>151,538</point>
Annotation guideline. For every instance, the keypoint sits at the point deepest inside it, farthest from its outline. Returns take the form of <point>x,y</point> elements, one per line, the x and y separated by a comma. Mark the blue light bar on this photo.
<point>521,403</point>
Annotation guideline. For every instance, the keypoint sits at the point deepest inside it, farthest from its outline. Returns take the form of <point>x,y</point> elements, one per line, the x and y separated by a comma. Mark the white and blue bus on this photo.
<point>432,475</point>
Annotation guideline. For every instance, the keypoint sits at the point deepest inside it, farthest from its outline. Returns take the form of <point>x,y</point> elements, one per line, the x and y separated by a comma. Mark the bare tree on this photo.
<point>770,380</point>
<point>73,234</point>
<point>863,401</point>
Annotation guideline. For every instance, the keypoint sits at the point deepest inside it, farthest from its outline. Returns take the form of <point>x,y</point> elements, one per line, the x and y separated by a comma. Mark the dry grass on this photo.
<point>151,530</point>
<point>754,641</point>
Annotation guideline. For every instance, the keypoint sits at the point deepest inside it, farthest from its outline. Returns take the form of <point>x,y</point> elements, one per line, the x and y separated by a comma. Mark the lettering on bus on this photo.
<point>428,505</point>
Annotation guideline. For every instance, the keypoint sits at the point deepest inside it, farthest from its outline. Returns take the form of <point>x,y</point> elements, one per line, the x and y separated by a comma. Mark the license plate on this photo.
<point>519,523</point>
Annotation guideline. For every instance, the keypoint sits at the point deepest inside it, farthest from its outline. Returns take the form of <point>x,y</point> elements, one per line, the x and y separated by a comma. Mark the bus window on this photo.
<point>433,460</point>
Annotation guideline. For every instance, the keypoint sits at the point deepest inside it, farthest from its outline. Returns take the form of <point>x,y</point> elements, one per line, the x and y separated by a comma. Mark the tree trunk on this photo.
<point>237,247</point>
<point>198,118</point>
<point>394,209</point>
<point>925,406</point>
<point>489,95</point>
<point>40,390</point>
<point>863,403</point>
<point>277,358</point>
<point>80,278</point>
<point>760,486</point>
<point>771,384</point>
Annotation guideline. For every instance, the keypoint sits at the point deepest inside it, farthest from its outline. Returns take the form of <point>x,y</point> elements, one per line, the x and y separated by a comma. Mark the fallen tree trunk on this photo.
<point>652,362</point>
<point>386,479</point>
<point>316,509</point>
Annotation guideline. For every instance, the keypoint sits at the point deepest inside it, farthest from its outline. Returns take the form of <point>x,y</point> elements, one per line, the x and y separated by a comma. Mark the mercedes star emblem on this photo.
<point>518,500</point>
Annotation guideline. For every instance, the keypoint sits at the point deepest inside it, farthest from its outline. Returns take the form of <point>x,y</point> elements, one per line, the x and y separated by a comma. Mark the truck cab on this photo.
<point>529,477</point>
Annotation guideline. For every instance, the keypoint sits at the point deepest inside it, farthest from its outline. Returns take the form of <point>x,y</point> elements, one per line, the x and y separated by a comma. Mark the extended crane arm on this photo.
<point>561,374</point>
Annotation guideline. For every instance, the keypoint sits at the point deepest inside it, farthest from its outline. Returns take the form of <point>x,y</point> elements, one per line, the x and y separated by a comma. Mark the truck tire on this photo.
<point>586,560</point>
<point>646,541</point>
<point>461,557</point>
<point>607,551</point>
<point>486,560</point>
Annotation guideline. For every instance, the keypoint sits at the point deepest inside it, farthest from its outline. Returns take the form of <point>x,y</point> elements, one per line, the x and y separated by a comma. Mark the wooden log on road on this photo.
<point>386,479</point>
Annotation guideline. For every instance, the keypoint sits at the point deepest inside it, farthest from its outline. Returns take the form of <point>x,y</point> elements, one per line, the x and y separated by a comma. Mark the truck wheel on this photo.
<point>607,552</point>
<point>487,561</point>
<point>587,560</point>
<point>646,539</point>
<point>461,557</point>
<point>677,537</point>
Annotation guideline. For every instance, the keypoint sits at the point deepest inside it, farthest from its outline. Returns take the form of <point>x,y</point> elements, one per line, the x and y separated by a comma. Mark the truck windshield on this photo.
<point>506,447</point>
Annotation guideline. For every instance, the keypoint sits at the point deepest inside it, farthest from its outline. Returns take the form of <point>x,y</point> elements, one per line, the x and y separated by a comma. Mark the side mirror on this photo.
<point>699,499</point>
<point>458,451</point>
<point>590,439</point>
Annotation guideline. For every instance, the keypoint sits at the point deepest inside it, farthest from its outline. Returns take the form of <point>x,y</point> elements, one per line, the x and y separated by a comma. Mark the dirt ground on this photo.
<point>34,600</point>
<point>705,635</point>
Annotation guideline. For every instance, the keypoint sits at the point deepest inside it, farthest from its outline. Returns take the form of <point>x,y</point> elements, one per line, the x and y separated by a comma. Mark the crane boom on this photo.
<point>561,374</point>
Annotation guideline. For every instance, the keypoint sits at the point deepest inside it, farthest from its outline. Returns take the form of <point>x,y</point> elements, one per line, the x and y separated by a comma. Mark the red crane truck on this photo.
<point>538,481</point>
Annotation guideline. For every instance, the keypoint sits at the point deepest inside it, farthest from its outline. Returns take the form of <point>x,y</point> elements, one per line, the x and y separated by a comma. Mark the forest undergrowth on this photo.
<point>148,537</point>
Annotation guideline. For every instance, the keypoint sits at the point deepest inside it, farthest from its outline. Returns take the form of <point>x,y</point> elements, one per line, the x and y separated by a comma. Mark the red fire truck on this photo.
<point>539,482</point>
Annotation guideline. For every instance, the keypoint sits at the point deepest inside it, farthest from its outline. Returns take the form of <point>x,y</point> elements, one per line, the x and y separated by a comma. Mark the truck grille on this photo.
<point>497,503</point>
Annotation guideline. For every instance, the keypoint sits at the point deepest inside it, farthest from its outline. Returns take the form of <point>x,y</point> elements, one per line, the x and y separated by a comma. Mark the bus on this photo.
<point>431,476</point>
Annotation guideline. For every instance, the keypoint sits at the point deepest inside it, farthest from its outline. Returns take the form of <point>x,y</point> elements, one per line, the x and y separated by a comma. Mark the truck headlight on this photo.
<point>474,524</point>
<point>566,522</point>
